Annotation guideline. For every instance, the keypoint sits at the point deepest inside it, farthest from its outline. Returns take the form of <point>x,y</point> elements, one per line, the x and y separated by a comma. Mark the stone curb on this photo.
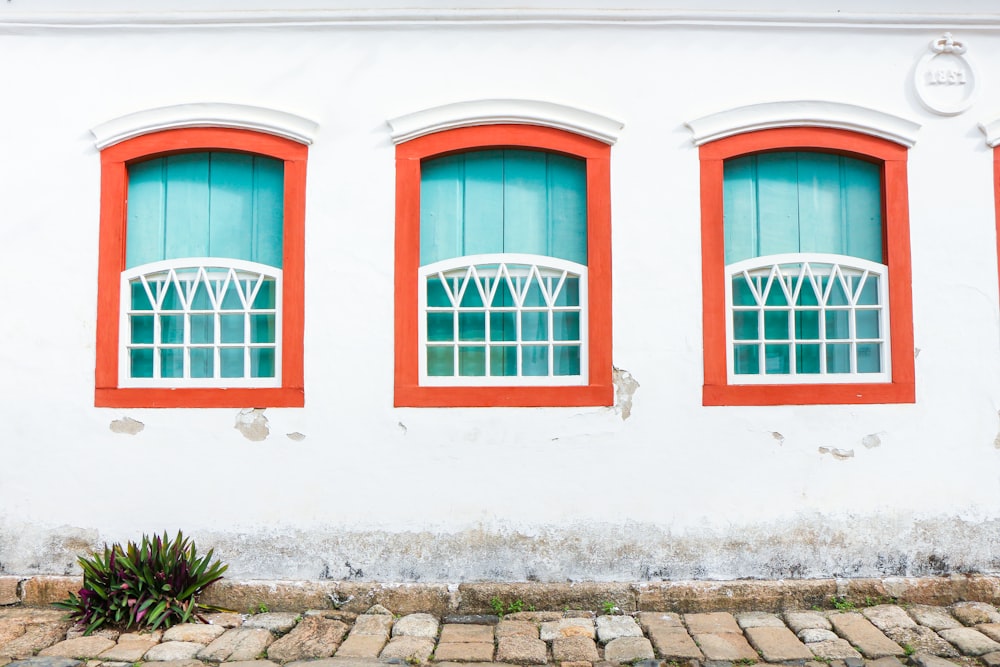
<point>474,598</point>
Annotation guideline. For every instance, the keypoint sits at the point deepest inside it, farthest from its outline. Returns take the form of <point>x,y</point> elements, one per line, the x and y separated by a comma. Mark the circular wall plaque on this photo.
<point>945,79</point>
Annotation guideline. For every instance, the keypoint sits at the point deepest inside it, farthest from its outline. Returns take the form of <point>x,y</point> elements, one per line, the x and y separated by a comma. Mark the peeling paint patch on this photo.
<point>402,427</point>
<point>839,454</point>
<point>871,441</point>
<point>252,423</point>
<point>916,352</point>
<point>296,436</point>
<point>996,441</point>
<point>777,436</point>
<point>625,387</point>
<point>127,425</point>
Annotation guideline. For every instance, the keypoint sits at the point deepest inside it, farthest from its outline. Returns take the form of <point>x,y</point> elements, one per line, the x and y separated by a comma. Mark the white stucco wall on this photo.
<point>678,490</point>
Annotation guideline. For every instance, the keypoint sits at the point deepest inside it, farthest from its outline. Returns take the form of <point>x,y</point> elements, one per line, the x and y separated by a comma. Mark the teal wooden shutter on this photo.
<point>802,202</point>
<point>213,204</point>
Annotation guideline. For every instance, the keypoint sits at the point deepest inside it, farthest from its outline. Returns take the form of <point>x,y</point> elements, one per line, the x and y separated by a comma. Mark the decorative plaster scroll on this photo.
<point>204,114</point>
<point>518,112</point>
<point>992,131</point>
<point>808,113</point>
<point>944,78</point>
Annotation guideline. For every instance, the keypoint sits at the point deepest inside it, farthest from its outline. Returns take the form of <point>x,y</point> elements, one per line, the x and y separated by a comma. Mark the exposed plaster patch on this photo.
<point>839,454</point>
<point>296,436</point>
<point>127,425</point>
<point>916,352</point>
<point>252,423</point>
<point>625,387</point>
<point>996,441</point>
<point>777,436</point>
<point>871,440</point>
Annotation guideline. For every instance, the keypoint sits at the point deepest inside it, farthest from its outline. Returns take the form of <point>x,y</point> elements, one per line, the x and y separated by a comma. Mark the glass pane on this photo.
<point>745,324</point>
<point>866,323</point>
<point>202,362</point>
<point>472,326</point>
<point>231,298</point>
<point>566,360</point>
<point>569,295</point>
<point>534,298</point>
<point>141,363</point>
<point>171,329</point>
<point>440,326</point>
<point>265,298</point>
<point>503,296</point>
<point>746,359</point>
<point>471,298</point>
<point>565,326</point>
<point>172,362</point>
<point>140,300</point>
<point>777,359</point>
<point>502,326</point>
<point>776,324</point>
<point>807,294</point>
<point>200,300</point>
<point>838,358</point>
<point>441,361</point>
<point>742,294</point>
<point>232,329</point>
<point>203,328</point>
<point>838,297</point>
<point>838,324</point>
<point>262,329</point>
<point>171,300</point>
<point>776,296</point>
<point>535,326</point>
<point>262,362</point>
<point>472,361</point>
<point>503,361</point>
<point>535,360</point>
<point>231,362</point>
<point>807,358</point>
<point>437,294</point>
<point>869,358</point>
<point>869,292</point>
<point>807,325</point>
<point>142,328</point>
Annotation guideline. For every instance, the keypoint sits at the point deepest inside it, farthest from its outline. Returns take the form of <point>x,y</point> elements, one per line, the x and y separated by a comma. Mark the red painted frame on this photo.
<point>409,155</point>
<point>892,157</point>
<point>114,189</point>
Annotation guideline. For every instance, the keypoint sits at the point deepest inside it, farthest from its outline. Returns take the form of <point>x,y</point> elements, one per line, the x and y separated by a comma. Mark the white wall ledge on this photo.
<point>803,113</point>
<point>492,112</point>
<point>204,114</point>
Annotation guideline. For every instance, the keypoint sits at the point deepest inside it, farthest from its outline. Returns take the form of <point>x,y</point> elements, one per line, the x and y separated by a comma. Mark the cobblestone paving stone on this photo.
<point>965,634</point>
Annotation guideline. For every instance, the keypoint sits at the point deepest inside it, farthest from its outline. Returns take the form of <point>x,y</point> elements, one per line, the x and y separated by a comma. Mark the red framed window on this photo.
<point>806,269</point>
<point>200,278</point>
<point>503,269</point>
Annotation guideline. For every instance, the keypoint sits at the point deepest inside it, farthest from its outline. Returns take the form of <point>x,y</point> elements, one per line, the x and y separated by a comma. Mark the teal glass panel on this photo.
<point>472,326</point>
<point>807,325</point>
<point>746,324</point>
<point>565,326</point>
<point>838,324</point>
<point>200,300</point>
<point>807,358</point>
<point>807,294</point>
<point>472,361</point>
<point>777,359</point>
<point>838,358</point>
<point>503,326</point>
<point>142,328</point>
<point>776,295</point>
<point>172,362</point>
<point>503,295</point>
<point>471,298</point>
<point>262,329</point>
<point>566,360</point>
<point>441,361</point>
<point>437,293</point>
<point>503,361</point>
<point>776,324</point>
<point>569,295</point>
<point>202,329</point>
<point>202,362</point>
<point>265,298</point>
<point>866,323</point>
<point>231,297</point>
<point>141,363</point>
<point>534,297</point>
<point>440,326</point>
<point>746,359</point>
<point>140,299</point>
<point>869,358</point>
<point>534,360</point>
<point>171,296</point>
<point>231,328</point>
<point>868,295</point>
<point>171,329</point>
<point>742,293</point>
<point>262,362</point>
<point>837,295</point>
<point>534,326</point>
<point>231,362</point>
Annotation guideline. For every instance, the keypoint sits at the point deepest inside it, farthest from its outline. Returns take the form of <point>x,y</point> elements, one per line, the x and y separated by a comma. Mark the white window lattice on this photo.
<point>201,322</point>
<point>503,319</point>
<point>806,318</point>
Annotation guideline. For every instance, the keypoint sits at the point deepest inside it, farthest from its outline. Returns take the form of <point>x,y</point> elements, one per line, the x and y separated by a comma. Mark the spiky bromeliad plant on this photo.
<point>150,585</point>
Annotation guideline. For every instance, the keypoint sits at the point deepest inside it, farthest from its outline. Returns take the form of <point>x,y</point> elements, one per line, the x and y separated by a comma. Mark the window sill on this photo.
<point>809,394</point>
<point>492,397</point>
<point>284,397</point>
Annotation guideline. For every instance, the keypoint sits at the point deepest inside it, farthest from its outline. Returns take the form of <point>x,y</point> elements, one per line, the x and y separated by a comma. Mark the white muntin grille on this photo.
<point>503,320</point>
<point>200,322</point>
<point>804,318</point>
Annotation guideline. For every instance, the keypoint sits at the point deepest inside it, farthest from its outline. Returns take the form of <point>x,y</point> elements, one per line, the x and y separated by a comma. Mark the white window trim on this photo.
<point>537,262</point>
<point>843,261</point>
<point>197,263</point>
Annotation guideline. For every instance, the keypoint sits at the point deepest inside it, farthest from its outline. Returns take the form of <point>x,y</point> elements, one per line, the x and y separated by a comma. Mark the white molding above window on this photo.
<point>491,112</point>
<point>803,113</point>
<point>205,114</point>
<point>992,131</point>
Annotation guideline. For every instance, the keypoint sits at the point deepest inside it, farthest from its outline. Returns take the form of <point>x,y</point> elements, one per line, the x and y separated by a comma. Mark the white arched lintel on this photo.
<point>491,112</point>
<point>204,114</point>
<point>803,113</point>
